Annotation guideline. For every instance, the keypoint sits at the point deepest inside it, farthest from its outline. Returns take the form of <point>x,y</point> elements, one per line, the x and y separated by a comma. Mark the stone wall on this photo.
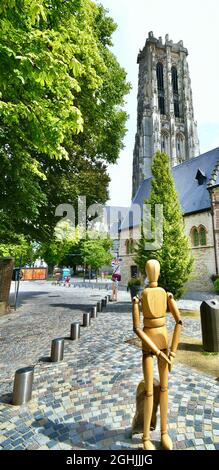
<point>204,263</point>
<point>215,201</point>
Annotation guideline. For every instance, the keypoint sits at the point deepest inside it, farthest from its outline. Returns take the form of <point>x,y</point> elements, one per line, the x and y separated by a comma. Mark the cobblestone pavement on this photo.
<point>87,401</point>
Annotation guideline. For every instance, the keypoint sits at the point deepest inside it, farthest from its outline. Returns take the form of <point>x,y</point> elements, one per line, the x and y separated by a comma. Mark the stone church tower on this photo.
<point>165,117</point>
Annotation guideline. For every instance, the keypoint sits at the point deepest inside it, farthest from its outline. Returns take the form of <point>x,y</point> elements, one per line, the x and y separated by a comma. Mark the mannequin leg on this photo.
<point>163,372</point>
<point>148,400</point>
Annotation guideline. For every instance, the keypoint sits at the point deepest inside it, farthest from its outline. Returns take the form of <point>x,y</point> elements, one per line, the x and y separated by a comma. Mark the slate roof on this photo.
<point>193,197</point>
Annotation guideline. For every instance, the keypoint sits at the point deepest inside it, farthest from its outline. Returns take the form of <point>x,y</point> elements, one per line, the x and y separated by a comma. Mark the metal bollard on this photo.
<point>93,312</point>
<point>75,330</point>
<point>22,390</point>
<point>106,298</point>
<point>57,350</point>
<point>86,319</point>
<point>99,306</point>
<point>103,301</point>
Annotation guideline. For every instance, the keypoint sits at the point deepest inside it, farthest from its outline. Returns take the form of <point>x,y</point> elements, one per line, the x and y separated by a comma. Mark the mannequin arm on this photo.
<point>178,327</point>
<point>141,334</point>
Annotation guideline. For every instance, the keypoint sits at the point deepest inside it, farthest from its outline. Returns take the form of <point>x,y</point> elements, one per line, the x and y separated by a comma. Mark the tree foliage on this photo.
<point>72,252</point>
<point>174,255</point>
<point>61,97</point>
<point>19,248</point>
<point>96,253</point>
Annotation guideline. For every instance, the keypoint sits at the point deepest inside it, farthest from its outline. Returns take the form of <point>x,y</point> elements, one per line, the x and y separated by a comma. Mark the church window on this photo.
<point>131,247</point>
<point>195,237</point>
<point>165,142</point>
<point>160,82</point>
<point>180,148</point>
<point>201,177</point>
<point>174,80</point>
<point>175,91</point>
<point>199,236</point>
<point>202,236</point>
<point>160,86</point>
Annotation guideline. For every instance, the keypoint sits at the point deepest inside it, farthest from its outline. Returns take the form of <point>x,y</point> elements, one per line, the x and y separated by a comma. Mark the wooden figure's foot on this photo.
<point>147,444</point>
<point>166,442</point>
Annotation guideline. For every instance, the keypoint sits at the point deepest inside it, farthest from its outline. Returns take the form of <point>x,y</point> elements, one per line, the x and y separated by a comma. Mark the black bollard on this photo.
<point>86,319</point>
<point>99,306</point>
<point>75,330</point>
<point>93,312</point>
<point>23,382</point>
<point>57,350</point>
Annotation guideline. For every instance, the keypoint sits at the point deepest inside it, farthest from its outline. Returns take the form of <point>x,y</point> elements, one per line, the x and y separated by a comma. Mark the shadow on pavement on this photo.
<point>6,399</point>
<point>24,296</point>
<point>74,434</point>
<point>45,359</point>
<point>73,306</point>
<point>190,347</point>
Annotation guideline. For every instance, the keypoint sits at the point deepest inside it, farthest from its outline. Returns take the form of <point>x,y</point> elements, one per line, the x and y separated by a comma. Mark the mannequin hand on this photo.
<point>170,366</point>
<point>163,357</point>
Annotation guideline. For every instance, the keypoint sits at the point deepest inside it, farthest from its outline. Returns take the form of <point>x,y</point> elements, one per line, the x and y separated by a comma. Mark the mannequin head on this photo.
<point>153,271</point>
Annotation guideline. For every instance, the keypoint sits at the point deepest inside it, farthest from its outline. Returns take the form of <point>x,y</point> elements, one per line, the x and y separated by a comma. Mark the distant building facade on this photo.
<point>197,184</point>
<point>165,116</point>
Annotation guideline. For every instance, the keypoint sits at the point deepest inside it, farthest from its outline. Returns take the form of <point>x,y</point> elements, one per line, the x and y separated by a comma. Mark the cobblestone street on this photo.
<point>87,401</point>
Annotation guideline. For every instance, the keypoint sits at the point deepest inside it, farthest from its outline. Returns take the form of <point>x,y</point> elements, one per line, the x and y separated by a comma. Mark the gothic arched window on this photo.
<point>199,236</point>
<point>180,148</point>
<point>202,236</point>
<point>194,236</point>
<point>165,142</point>
<point>160,86</point>
<point>175,91</point>
<point>131,249</point>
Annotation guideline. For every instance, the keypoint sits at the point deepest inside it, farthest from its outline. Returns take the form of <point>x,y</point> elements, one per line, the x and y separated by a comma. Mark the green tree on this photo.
<point>19,248</point>
<point>61,98</point>
<point>174,255</point>
<point>66,181</point>
<point>96,253</point>
<point>64,242</point>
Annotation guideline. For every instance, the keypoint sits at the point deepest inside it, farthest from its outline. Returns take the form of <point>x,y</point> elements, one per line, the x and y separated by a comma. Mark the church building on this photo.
<point>165,121</point>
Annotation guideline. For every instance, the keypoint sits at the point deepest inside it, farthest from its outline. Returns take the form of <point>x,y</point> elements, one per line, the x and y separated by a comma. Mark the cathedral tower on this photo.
<point>165,117</point>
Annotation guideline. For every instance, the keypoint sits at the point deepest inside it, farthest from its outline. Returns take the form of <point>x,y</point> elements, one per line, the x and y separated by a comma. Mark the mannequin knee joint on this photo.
<point>163,389</point>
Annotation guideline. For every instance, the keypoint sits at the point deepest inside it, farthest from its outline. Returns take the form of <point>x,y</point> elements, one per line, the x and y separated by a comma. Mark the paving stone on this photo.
<point>88,400</point>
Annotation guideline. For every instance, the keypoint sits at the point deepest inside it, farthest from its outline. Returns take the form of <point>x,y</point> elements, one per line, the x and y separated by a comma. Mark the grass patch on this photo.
<point>190,352</point>
<point>206,353</point>
<point>190,313</point>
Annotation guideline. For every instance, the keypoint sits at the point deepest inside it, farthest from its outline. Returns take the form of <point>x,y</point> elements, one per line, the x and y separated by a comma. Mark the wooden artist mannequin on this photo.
<point>155,342</point>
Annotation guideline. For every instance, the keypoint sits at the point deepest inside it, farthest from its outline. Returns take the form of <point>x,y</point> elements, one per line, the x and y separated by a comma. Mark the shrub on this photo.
<point>134,281</point>
<point>214,277</point>
<point>216,285</point>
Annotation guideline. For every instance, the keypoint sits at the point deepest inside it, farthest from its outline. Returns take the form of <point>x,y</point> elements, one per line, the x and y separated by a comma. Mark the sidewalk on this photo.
<point>88,400</point>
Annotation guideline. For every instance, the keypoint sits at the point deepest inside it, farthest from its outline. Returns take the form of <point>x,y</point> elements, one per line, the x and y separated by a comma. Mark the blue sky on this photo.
<point>196,22</point>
